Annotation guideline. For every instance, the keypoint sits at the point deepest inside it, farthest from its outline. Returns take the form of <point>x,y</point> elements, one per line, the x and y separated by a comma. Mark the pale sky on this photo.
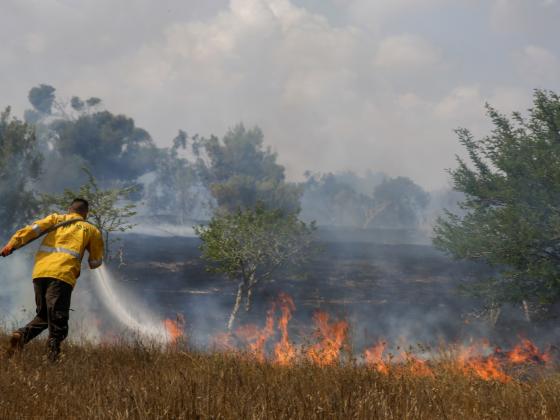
<point>334,84</point>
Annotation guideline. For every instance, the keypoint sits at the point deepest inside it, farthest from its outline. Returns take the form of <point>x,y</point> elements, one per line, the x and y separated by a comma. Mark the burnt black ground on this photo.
<point>400,292</point>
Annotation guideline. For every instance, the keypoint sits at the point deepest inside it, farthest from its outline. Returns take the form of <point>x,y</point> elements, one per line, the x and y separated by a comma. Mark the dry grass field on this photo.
<point>132,381</point>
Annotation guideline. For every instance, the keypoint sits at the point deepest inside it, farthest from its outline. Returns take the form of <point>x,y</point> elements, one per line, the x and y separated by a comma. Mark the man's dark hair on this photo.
<point>80,205</point>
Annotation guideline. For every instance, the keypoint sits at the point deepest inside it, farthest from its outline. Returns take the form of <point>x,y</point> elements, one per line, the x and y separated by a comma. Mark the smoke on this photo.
<point>17,304</point>
<point>398,293</point>
<point>16,289</point>
<point>163,229</point>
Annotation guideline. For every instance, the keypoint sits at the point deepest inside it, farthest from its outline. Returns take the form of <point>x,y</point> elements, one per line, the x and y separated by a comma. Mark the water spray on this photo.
<point>146,324</point>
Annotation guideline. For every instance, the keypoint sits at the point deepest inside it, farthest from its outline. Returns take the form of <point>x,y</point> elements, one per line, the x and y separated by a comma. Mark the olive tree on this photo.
<point>250,246</point>
<point>20,167</point>
<point>511,210</point>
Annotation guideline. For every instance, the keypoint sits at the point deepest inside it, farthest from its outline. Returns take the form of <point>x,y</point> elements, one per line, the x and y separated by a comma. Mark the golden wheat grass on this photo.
<point>133,381</point>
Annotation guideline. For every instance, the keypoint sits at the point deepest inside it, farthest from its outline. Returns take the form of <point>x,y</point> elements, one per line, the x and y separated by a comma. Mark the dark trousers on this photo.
<point>52,298</point>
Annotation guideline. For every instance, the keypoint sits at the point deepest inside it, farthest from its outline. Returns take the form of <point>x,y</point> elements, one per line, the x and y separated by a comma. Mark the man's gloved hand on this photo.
<point>7,250</point>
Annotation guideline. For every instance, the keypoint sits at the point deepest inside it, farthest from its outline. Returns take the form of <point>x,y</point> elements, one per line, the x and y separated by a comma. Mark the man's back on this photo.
<point>62,250</point>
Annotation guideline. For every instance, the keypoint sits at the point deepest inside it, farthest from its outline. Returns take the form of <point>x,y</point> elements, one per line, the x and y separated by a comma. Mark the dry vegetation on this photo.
<point>135,381</point>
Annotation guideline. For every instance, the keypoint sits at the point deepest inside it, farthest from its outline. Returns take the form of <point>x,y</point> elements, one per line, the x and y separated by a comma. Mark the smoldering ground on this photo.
<point>405,293</point>
<point>391,291</point>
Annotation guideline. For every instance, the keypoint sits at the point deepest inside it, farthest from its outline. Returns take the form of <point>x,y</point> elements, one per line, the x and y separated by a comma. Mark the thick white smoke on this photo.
<point>17,303</point>
<point>16,290</point>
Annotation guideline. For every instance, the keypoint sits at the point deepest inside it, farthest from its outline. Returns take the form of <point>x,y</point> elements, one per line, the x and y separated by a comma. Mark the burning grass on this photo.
<point>259,372</point>
<point>122,381</point>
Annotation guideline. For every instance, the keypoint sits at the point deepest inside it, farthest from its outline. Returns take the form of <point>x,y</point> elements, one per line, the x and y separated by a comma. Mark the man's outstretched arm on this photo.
<point>28,233</point>
<point>96,250</point>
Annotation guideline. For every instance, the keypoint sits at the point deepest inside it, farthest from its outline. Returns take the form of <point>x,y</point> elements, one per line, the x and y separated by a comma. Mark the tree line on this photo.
<point>189,180</point>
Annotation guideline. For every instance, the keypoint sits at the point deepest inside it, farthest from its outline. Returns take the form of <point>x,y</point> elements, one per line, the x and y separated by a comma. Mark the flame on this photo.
<point>332,336</point>
<point>472,360</point>
<point>479,359</point>
<point>174,329</point>
<point>284,351</point>
<point>224,342</point>
<point>257,338</point>
<point>527,352</point>
<point>418,367</point>
<point>406,362</point>
<point>489,369</point>
<point>374,357</point>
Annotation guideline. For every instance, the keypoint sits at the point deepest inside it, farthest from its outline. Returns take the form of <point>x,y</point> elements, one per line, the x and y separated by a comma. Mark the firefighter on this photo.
<point>57,267</point>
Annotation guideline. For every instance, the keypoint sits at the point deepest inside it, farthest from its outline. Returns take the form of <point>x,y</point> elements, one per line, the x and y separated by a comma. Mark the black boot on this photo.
<point>53,350</point>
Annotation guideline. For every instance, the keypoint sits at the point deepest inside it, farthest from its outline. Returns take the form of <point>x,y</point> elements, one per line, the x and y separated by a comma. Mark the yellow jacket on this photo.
<point>61,252</point>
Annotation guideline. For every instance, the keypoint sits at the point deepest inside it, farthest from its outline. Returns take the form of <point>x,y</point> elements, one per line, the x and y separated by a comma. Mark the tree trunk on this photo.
<point>494,313</point>
<point>238,299</point>
<point>526,310</point>
<point>249,295</point>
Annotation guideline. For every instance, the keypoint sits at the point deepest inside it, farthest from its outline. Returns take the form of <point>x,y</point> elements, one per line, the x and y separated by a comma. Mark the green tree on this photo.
<point>42,98</point>
<point>240,172</point>
<point>109,144</point>
<point>398,203</point>
<point>176,188</point>
<point>331,201</point>
<point>251,246</point>
<point>512,204</point>
<point>78,133</point>
<point>109,209</point>
<point>20,167</point>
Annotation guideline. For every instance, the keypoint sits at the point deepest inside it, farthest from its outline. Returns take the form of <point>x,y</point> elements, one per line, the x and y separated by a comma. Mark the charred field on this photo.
<point>386,285</point>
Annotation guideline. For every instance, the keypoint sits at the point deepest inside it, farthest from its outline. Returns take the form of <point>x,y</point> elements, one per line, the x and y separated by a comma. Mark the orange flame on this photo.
<point>489,369</point>
<point>471,361</point>
<point>257,338</point>
<point>407,362</point>
<point>478,360</point>
<point>284,351</point>
<point>374,357</point>
<point>224,342</point>
<point>174,329</point>
<point>418,367</point>
<point>527,352</point>
<point>332,336</point>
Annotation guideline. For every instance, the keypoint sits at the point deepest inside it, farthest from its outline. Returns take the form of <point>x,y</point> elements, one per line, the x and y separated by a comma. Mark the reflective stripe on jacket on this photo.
<point>61,252</point>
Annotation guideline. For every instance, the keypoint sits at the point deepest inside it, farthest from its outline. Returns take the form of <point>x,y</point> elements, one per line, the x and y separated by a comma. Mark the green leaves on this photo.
<point>512,189</point>
<point>240,172</point>
<point>110,144</point>
<point>20,167</point>
<point>252,245</point>
<point>42,98</point>
<point>254,242</point>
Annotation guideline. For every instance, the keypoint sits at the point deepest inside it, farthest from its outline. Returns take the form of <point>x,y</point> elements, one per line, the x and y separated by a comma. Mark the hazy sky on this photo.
<point>334,84</point>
